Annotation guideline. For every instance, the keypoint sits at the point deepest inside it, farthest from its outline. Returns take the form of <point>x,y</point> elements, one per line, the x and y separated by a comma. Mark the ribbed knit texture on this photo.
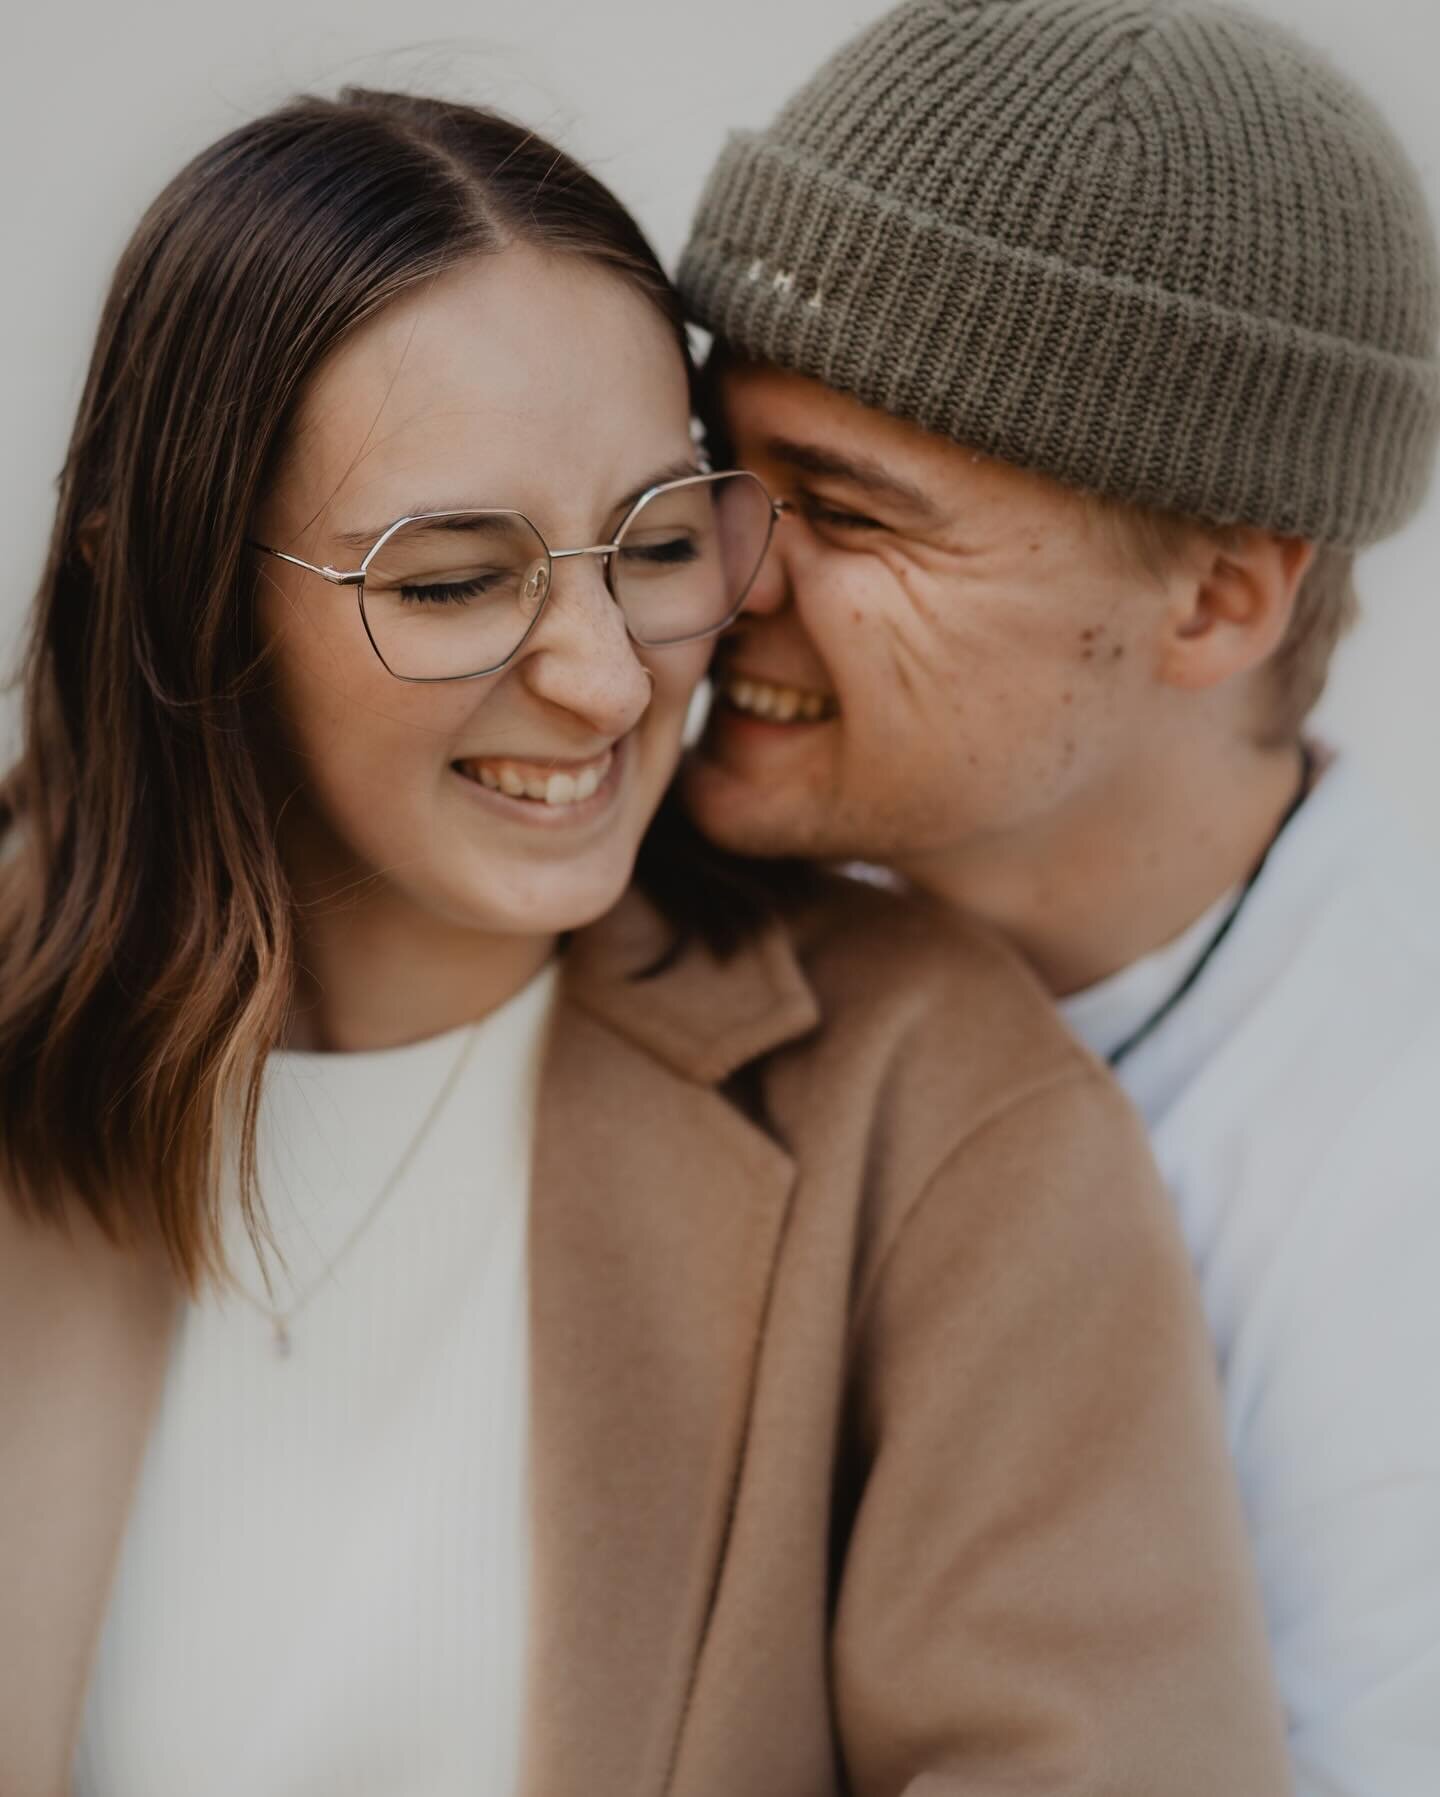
<point>1158,249</point>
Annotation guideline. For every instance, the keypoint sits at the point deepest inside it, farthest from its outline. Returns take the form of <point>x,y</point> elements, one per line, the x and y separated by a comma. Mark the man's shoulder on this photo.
<point>1351,928</point>
<point>1360,871</point>
<point>1328,981</point>
<point>1300,1082</point>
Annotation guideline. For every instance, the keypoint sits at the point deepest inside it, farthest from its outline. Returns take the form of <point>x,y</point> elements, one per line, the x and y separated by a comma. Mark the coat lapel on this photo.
<point>656,1214</point>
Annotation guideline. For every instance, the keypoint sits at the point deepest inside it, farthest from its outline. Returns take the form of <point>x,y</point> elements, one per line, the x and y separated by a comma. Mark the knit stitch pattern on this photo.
<point>1158,249</point>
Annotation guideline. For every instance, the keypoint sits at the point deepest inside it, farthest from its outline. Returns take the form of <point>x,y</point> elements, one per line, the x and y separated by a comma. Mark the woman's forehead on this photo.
<point>516,379</point>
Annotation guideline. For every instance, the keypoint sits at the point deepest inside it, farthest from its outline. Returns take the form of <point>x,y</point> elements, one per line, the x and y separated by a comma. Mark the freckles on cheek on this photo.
<point>316,693</point>
<point>374,753</point>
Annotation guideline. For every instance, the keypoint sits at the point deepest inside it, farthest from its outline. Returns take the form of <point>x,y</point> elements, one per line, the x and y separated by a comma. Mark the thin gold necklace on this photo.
<point>280,1320</point>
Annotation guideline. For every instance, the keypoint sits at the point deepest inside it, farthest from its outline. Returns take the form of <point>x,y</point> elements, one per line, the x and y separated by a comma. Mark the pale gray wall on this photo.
<point>103,102</point>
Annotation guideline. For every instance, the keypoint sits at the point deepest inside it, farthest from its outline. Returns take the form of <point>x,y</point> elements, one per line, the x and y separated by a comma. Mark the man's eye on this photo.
<point>838,519</point>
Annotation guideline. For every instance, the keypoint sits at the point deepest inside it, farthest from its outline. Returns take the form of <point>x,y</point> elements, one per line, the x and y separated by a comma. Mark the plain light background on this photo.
<point>103,103</point>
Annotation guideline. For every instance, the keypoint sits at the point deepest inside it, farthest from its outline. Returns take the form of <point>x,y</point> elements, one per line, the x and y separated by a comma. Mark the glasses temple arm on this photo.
<point>333,575</point>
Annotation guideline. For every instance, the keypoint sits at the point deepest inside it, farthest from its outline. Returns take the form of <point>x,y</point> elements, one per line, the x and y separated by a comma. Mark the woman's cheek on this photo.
<point>675,675</point>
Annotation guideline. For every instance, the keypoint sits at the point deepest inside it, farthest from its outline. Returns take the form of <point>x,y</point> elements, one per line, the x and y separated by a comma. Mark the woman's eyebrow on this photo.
<point>859,471</point>
<point>362,540</point>
<point>680,470</point>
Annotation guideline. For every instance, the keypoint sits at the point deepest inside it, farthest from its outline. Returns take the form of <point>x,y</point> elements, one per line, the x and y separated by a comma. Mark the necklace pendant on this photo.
<point>280,1325</point>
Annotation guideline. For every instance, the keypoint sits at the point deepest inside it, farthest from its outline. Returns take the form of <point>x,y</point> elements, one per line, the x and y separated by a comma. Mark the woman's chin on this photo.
<point>566,900</point>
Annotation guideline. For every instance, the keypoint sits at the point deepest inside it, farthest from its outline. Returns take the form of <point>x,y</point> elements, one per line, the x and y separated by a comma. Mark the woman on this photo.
<point>742,1351</point>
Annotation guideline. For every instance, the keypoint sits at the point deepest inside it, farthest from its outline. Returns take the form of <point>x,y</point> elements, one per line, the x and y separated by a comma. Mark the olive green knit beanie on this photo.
<point>1158,249</point>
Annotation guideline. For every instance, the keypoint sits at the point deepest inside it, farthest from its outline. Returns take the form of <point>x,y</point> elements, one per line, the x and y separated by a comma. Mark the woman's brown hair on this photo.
<point>145,919</point>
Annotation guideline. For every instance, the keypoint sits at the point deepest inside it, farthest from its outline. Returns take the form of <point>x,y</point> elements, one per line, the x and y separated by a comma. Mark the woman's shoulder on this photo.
<point>944,1091</point>
<point>851,1007</point>
<point>883,960</point>
<point>938,1046</point>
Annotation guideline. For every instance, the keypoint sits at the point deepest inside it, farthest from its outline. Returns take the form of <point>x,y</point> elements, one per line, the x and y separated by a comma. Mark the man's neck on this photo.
<point>1119,874</point>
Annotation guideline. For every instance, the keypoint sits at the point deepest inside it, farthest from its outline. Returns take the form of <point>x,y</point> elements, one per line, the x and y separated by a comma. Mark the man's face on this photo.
<point>981,653</point>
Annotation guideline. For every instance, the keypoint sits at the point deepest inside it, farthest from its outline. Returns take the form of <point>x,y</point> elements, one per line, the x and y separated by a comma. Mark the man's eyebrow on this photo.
<point>360,541</point>
<point>858,470</point>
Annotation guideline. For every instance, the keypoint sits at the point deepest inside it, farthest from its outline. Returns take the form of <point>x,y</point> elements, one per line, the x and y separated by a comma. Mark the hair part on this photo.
<point>1326,605</point>
<point>147,949</point>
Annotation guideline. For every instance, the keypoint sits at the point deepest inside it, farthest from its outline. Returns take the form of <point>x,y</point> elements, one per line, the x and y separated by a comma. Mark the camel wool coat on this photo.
<point>874,1444</point>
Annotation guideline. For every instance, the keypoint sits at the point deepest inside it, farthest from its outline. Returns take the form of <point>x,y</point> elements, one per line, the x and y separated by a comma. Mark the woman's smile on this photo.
<point>546,793</point>
<point>559,756</point>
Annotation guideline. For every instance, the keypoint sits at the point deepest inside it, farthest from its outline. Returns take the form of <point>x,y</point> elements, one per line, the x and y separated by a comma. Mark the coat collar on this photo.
<point>700,1017</point>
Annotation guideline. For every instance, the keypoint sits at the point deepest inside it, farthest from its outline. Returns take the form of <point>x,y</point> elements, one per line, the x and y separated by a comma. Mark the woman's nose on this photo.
<point>771,586</point>
<point>581,657</point>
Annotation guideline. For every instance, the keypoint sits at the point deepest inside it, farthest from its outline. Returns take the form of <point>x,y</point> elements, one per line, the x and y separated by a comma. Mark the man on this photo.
<point>1087,340</point>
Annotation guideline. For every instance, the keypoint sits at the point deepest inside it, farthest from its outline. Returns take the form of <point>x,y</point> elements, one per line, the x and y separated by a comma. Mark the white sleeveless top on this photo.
<point>323,1583</point>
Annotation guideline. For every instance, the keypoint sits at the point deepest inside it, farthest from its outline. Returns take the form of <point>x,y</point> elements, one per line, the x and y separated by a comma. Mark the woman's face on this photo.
<point>521,380</point>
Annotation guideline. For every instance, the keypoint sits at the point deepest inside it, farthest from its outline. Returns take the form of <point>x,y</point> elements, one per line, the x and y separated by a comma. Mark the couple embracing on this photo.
<point>536,1259</point>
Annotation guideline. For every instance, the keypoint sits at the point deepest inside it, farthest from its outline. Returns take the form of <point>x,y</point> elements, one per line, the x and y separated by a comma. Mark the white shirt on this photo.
<point>322,1588</point>
<point>1293,1099</point>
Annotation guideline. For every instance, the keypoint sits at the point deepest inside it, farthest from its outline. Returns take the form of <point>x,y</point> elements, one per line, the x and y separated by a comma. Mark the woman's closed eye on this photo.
<point>674,551</point>
<point>456,592</point>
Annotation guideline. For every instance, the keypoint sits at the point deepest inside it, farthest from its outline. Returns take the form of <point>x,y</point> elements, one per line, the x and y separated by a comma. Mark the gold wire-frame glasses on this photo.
<point>440,589</point>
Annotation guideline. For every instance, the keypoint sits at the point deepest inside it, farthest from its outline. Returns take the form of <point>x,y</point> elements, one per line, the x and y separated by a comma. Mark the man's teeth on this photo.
<point>784,704</point>
<point>519,782</point>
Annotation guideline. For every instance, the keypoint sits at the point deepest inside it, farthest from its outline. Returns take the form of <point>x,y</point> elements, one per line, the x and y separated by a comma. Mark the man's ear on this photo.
<point>1233,609</point>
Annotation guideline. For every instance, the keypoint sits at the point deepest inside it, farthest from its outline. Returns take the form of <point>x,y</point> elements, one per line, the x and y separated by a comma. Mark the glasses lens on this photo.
<point>688,556</point>
<point>454,594</point>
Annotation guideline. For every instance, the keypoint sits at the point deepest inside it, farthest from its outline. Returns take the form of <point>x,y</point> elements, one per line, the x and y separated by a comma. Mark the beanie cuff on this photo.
<point>1108,384</point>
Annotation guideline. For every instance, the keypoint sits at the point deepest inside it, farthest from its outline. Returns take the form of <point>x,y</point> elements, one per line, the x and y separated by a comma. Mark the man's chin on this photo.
<point>746,818</point>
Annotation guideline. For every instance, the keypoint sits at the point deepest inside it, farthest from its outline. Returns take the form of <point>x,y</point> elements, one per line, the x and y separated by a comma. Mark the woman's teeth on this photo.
<point>781,704</point>
<point>519,781</point>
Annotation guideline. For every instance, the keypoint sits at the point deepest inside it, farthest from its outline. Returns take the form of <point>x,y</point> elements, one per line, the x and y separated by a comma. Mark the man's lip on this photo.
<point>768,700</point>
<point>727,672</point>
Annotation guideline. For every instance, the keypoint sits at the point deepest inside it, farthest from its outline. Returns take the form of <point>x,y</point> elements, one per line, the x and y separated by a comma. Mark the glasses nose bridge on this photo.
<point>602,549</point>
<point>604,552</point>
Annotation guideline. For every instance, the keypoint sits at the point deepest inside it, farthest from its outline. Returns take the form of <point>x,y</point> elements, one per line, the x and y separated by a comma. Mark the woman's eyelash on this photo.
<point>678,550</point>
<point>453,594</point>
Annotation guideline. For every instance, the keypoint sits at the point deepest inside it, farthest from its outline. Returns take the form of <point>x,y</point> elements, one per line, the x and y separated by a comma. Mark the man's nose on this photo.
<point>581,657</point>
